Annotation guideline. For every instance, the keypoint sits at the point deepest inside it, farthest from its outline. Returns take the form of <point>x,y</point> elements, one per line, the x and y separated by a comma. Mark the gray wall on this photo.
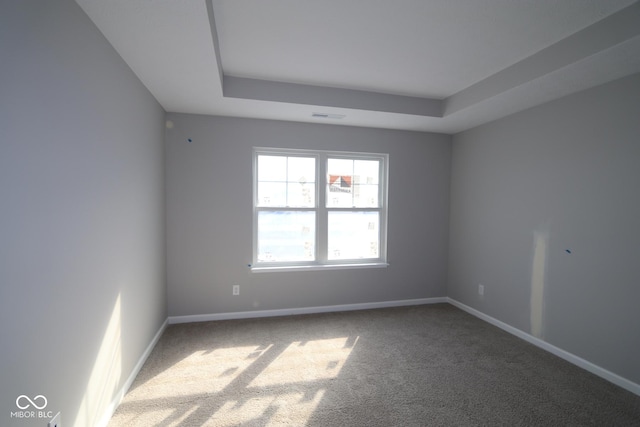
<point>209,217</point>
<point>524,189</point>
<point>82,287</point>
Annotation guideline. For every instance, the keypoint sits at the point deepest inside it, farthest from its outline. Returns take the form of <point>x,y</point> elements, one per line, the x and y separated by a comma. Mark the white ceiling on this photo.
<point>438,65</point>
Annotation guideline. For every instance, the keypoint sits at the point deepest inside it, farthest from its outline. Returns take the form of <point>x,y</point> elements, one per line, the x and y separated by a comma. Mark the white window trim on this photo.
<point>321,259</point>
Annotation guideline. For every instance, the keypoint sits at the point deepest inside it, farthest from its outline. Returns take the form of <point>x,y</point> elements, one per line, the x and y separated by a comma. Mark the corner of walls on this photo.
<point>544,208</point>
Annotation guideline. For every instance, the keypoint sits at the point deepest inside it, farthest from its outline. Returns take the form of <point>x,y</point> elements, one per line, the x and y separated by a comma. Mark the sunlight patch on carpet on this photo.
<point>306,361</point>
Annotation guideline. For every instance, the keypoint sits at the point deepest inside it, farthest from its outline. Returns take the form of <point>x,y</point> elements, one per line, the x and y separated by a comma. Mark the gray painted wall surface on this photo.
<point>209,217</point>
<point>524,189</point>
<point>82,287</point>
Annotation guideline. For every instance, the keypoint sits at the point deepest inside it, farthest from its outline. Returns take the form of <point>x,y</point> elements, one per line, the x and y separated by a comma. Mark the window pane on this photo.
<point>340,183</point>
<point>301,169</point>
<point>340,166</point>
<point>339,197</point>
<point>272,168</point>
<point>366,178</point>
<point>286,236</point>
<point>365,196</point>
<point>301,177</point>
<point>367,170</point>
<point>353,235</point>
<point>272,193</point>
<point>301,195</point>
<point>352,183</point>
<point>286,181</point>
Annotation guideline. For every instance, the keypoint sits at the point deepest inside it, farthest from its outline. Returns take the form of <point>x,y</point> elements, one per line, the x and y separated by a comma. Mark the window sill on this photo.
<point>322,267</point>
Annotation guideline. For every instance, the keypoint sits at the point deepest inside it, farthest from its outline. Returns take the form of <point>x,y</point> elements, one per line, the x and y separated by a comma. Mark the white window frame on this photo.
<point>321,261</point>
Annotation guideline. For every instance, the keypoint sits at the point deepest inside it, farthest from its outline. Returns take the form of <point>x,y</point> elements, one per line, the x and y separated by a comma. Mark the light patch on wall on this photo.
<point>538,277</point>
<point>106,373</point>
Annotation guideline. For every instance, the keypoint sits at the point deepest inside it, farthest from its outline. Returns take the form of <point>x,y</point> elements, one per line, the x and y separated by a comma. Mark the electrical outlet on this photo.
<point>480,289</point>
<point>55,421</point>
<point>236,289</point>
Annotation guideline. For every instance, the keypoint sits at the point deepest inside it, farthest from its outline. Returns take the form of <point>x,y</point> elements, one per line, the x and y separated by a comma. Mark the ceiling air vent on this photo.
<point>328,116</point>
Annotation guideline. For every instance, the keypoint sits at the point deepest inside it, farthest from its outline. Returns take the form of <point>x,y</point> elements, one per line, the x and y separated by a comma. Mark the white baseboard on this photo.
<point>303,310</point>
<point>132,376</point>
<point>569,357</point>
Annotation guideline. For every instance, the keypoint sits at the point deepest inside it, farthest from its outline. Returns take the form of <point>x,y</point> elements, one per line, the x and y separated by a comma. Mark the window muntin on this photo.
<point>319,208</point>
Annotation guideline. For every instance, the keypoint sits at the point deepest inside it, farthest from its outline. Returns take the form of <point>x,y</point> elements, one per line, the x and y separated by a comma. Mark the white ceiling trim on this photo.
<point>174,48</point>
<point>618,28</point>
<point>597,38</point>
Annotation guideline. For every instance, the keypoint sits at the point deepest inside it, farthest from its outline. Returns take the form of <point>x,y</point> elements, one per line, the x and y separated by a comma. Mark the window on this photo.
<point>322,209</point>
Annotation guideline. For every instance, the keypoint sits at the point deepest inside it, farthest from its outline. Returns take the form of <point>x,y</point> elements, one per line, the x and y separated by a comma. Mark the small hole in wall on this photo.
<point>189,140</point>
<point>568,251</point>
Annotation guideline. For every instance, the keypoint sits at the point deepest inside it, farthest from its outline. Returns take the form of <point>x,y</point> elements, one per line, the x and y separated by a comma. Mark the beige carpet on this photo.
<point>430,365</point>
